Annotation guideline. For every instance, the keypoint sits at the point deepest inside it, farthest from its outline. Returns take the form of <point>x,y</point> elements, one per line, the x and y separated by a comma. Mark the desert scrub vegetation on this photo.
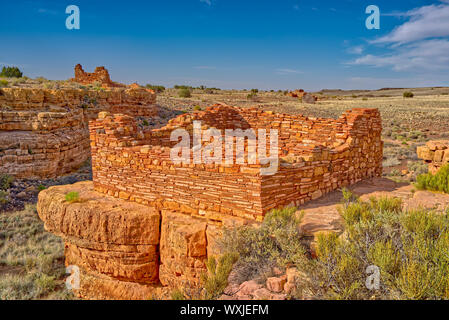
<point>5,184</point>
<point>434,182</point>
<point>408,94</point>
<point>155,88</point>
<point>277,242</point>
<point>72,197</point>
<point>408,247</point>
<point>31,259</point>
<point>417,168</point>
<point>184,93</point>
<point>215,279</point>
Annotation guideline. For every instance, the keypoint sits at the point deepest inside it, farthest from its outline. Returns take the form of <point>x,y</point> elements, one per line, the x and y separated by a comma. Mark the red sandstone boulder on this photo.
<point>276,284</point>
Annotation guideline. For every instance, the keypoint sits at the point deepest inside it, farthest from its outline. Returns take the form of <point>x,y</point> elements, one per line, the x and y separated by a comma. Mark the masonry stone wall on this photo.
<point>435,153</point>
<point>100,76</point>
<point>44,133</point>
<point>316,156</point>
<point>154,229</point>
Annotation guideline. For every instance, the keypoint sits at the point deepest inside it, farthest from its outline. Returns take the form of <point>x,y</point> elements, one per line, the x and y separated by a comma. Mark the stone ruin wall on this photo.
<point>317,156</point>
<point>159,240</point>
<point>435,154</point>
<point>159,222</point>
<point>44,133</point>
<point>100,75</point>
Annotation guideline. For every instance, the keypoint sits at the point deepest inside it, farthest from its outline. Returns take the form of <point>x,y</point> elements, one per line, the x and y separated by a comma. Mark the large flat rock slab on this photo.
<point>96,217</point>
<point>116,239</point>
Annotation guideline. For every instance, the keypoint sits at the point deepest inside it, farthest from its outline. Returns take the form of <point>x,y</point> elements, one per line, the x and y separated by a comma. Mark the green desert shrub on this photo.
<point>215,279</point>
<point>3,83</point>
<point>5,181</point>
<point>155,88</point>
<point>11,72</point>
<point>72,197</point>
<point>184,93</point>
<point>434,182</point>
<point>177,295</point>
<point>408,247</point>
<point>276,243</point>
<point>251,96</point>
<point>177,86</point>
<point>408,94</point>
<point>3,197</point>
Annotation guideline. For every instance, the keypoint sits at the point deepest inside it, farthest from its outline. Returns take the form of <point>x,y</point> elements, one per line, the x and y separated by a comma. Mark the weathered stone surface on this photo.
<point>44,133</point>
<point>183,250</point>
<point>97,218</point>
<point>100,287</point>
<point>276,284</point>
<point>103,235</point>
<point>435,153</point>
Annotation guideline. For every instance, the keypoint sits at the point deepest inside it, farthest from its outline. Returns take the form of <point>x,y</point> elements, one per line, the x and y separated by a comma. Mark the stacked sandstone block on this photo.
<point>316,156</point>
<point>125,250</point>
<point>435,153</point>
<point>44,133</point>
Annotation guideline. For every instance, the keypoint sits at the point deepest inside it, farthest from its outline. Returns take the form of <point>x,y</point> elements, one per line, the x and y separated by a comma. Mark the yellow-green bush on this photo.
<point>434,182</point>
<point>184,93</point>
<point>276,243</point>
<point>409,247</point>
<point>216,278</point>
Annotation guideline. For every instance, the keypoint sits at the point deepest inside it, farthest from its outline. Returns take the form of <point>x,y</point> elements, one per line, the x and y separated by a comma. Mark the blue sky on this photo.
<point>263,44</point>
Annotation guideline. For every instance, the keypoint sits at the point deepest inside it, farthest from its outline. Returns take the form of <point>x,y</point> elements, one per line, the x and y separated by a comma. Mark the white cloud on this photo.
<point>420,44</point>
<point>424,23</point>
<point>287,71</point>
<point>427,55</point>
<point>355,50</point>
<point>208,2</point>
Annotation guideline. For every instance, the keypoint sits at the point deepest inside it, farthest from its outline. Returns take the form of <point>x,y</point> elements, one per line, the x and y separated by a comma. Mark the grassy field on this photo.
<point>31,259</point>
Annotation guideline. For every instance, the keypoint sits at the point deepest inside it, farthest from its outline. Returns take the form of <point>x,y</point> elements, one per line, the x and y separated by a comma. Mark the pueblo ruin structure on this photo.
<point>100,76</point>
<point>435,153</point>
<point>146,225</point>
<point>44,133</point>
<point>301,94</point>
